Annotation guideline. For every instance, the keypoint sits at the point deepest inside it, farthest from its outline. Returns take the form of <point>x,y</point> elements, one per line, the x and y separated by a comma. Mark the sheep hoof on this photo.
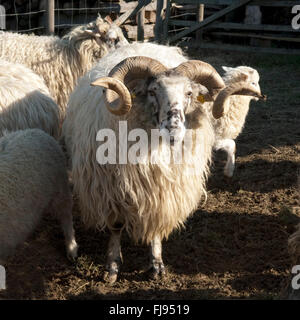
<point>110,277</point>
<point>157,271</point>
<point>72,251</point>
<point>228,171</point>
<point>112,271</point>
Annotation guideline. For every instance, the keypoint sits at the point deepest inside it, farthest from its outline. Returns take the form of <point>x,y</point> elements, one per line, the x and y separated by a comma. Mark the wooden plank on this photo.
<point>127,15</point>
<point>258,36</point>
<point>230,47</point>
<point>183,23</point>
<point>210,19</point>
<point>205,2</point>
<point>126,6</point>
<point>140,24</point>
<point>150,16</point>
<point>166,21</point>
<point>200,18</point>
<point>131,31</point>
<point>259,27</point>
<point>158,29</point>
<point>266,3</point>
<point>50,17</point>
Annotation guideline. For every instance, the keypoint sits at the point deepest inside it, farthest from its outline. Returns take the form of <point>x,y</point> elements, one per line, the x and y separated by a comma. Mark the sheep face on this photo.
<point>114,37</point>
<point>249,75</point>
<point>170,97</point>
<point>104,32</point>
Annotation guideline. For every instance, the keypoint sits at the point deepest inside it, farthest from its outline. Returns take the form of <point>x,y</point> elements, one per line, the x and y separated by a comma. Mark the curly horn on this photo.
<point>237,88</point>
<point>118,87</point>
<point>203,73</point>
<point>127,70</point>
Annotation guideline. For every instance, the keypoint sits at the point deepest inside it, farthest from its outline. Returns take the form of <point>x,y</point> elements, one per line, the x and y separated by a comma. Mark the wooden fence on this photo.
<point>213,26</point>
<point>191,23</point>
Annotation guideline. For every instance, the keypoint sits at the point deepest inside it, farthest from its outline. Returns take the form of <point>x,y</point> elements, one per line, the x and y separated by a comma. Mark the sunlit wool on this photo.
<point>149,199</point>
<point>60,61</point>
<point>25,101</point>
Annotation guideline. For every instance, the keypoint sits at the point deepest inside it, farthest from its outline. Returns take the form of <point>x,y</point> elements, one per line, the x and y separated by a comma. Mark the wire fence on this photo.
<point>31,15</point>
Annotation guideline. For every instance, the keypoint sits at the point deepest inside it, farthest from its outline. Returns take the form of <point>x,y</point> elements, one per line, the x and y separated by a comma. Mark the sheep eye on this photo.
<point>189,93</point>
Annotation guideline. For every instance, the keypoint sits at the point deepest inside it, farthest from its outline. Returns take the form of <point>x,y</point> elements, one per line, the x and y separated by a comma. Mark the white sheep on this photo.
<point>33,178</point>
<point>25,101</point>
<point>236,108</point>
<point>61,61</point>
<point>147,199</point>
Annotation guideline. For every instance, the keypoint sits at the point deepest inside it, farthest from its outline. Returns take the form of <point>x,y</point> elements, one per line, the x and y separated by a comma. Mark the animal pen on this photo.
<point>235,246</point>
<point>243,25</point>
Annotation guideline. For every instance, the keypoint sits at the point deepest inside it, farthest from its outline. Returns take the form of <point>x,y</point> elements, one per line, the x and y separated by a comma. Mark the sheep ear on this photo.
<point>203,94</point>
<point>227,69</point>
<point>244,76</point>
<point>108,19</point>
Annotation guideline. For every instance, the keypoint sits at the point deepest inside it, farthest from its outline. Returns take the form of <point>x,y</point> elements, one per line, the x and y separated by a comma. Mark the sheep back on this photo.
<point>25,101</point>
<point>32,174</point>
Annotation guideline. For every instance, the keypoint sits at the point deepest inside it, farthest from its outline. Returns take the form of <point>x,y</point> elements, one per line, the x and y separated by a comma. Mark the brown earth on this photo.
<point>233,247</point>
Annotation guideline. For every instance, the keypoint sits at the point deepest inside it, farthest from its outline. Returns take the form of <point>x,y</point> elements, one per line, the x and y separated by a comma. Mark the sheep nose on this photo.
<point>175,114</point>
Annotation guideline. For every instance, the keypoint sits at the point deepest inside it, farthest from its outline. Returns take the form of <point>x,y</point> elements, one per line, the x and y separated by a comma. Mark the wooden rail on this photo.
<point>213,26</point>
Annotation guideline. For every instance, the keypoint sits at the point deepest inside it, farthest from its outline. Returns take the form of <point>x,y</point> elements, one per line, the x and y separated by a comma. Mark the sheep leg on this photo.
<point>156,263</point>
<point>62,207</point>
<point>66,220</point>
<point>114,257</point>
<point>228,145</point>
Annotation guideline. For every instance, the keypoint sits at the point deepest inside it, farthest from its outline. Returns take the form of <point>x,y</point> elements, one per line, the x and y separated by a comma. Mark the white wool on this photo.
<point>149,199</point>
<point>25,101</point>
<point>33,178</point>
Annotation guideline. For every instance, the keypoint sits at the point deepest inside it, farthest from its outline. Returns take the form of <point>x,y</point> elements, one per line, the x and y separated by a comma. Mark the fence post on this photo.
<point>50,17</point>
<point>2,18</point>
<point>140,23</point>
<point>166,21</point>
<point>200,17</point>
<point>158,29</point>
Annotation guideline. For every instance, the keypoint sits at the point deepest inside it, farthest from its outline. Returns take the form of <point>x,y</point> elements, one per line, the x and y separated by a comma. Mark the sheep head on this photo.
<point>168,92</point>
<point>103,31</point>
<point>239,81</point>
<point>110,32</point>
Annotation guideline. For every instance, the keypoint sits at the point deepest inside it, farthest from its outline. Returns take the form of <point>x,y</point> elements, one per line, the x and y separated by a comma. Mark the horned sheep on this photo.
<point>230,124</point>
<point>61,61</point>
<point>25,101</point>
<point>33,179</point>
<point>149,87</point>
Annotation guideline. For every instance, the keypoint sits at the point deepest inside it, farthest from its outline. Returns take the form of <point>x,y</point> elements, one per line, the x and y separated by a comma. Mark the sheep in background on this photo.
<point>33,178</point>
<point>61,61</point>
<point>25,101</point>
<point>231,124</point>
<point>148,200</point>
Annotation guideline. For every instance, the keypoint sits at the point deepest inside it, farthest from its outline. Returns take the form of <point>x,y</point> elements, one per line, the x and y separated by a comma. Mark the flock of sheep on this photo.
<point>58,93</point>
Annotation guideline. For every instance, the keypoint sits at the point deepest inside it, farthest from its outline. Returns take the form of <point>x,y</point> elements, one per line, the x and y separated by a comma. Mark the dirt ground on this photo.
<point>233,247</point>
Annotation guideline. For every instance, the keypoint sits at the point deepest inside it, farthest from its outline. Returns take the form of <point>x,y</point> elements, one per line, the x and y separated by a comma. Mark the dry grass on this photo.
<point>234,247</point>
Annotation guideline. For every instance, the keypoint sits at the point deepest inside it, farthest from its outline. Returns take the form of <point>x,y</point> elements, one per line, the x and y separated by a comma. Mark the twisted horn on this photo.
<point>118,87</point>
<point>203,73</point>
<point>237,88</point>
<point>127,70</point>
